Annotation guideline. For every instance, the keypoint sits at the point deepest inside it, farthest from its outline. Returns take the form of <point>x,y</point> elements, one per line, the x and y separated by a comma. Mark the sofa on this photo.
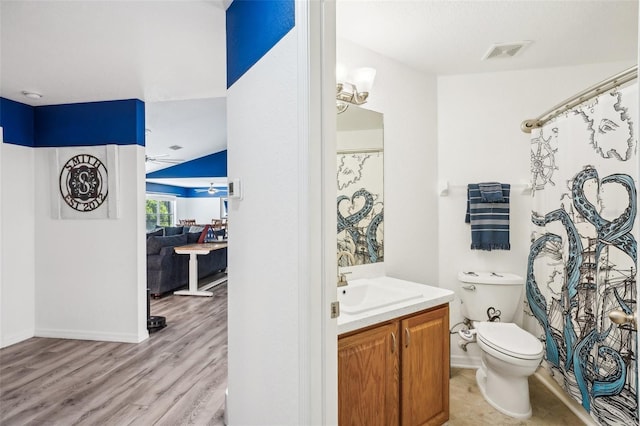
<point>168,271</point>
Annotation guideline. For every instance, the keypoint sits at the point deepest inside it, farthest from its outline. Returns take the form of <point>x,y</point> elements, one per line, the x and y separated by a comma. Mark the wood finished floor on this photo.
<point>176,377</point>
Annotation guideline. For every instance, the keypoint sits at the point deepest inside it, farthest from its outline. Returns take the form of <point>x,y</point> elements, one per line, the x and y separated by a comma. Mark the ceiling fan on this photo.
<point>159,159</point>
<point>220,189</point>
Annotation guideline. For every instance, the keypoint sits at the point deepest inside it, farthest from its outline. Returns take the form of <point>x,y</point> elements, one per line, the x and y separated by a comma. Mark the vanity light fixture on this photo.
<point>356,91</point>
<point>31,95</point>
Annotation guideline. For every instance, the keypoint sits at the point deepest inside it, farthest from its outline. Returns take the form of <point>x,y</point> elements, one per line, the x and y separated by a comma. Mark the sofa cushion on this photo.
<point>192,237</point>
<point>157,233</point>
<point>155,244</point>
<point>196,228</point>
<point>172,230</point>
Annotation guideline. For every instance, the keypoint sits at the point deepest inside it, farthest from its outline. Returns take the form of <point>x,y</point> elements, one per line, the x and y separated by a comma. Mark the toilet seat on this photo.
<point>509,339</point>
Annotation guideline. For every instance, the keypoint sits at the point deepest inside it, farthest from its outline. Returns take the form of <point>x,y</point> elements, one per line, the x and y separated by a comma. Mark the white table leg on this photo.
<point>193,280</point>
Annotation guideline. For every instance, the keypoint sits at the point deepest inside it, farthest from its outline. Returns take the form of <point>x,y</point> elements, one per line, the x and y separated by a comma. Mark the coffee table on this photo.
<point>193,250</point>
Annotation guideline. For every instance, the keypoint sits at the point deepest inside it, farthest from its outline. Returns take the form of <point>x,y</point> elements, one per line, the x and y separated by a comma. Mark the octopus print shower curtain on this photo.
<point>583,257</point>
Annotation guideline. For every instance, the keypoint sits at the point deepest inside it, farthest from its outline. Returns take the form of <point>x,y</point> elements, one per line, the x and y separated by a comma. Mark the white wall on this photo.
<point>479,139</point>
<point>407,98</point>
<point>200,209</point>
<point>354,140</point>
<point>17,276</point>
<point>282,343</point>
<point>90,274</point>
<point>264,257</point>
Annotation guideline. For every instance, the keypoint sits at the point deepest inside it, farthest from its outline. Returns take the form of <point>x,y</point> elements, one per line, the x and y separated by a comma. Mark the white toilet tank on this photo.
<point>487,294</point>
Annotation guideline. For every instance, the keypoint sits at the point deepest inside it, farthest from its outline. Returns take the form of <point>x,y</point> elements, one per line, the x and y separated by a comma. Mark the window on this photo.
<point>160,211</point>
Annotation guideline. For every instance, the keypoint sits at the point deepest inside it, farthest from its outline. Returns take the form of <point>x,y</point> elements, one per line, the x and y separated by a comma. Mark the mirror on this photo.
<point>360,179</point>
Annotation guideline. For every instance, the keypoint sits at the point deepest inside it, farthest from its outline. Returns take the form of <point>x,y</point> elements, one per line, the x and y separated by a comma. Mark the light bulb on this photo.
<point>363,78</point>
<point>341,73</point>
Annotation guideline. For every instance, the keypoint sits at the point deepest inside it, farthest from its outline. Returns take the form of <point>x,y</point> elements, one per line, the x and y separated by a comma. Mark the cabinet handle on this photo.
<point>393,339</point>
<point>407,336</point>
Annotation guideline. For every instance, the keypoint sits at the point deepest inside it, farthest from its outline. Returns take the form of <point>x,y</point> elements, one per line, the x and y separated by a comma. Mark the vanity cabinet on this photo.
<point>397,372</point>
<point>368,392</point>
<point>425,368</point>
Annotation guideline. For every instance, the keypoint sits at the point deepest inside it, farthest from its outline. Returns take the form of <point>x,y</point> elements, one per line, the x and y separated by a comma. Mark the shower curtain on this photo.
<point>583,257</point>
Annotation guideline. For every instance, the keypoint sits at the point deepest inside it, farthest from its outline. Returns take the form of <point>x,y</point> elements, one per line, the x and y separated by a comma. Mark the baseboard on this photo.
<point>214,283</point>
<point>16,338</point>
<point>546,379</point>
<point>91,335</point>
<point>459,361</point>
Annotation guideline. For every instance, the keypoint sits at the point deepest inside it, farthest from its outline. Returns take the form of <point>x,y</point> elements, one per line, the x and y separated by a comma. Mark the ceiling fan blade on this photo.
<point>170,161</point>
<point>158,160</point>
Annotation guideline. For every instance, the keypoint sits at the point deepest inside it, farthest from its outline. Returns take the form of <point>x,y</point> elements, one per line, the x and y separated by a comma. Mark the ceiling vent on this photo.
<point>505,50</point>
<point>175,147</point>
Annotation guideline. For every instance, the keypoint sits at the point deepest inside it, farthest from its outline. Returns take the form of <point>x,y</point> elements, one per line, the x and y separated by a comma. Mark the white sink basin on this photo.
<point>364,295</point>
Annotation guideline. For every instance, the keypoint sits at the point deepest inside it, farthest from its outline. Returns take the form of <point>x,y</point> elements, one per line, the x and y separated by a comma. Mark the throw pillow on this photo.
<point>156,233</point>
<point>173,230</point>
<point>196,228</point>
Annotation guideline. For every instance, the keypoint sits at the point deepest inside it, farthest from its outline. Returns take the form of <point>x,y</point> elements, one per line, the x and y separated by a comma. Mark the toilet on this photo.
<point>509,353</point>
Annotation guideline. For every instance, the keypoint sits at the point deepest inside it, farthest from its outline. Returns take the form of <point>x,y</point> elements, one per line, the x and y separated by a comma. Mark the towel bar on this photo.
<point>444,188</point>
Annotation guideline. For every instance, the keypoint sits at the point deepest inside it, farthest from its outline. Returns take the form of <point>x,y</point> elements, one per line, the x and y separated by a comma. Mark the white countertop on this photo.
<point>431,297</point>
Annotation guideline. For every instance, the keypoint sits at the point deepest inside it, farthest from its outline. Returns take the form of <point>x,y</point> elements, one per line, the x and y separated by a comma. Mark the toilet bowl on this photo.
<point>509,356</point>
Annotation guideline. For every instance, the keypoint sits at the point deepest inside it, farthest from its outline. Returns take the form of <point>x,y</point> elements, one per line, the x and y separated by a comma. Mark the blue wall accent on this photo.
<point>253,28</point>
<point>178,191</point>
<point>92,123</point>
<point>17,121</point>
<point>213,165</point>
<point>159,188</point>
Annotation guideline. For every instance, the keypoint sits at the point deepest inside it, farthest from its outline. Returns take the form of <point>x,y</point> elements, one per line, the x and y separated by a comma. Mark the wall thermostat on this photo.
<point>235,189</point>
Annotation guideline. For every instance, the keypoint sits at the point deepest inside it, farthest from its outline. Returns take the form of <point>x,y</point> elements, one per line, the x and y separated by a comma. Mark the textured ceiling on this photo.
<point>80,51</point>
<point>451,37</point>
<point>170,54</point>
<point>199,126</point>
<point>168,51</point>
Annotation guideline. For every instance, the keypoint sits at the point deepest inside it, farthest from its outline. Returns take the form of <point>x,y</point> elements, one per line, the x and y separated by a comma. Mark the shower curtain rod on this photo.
<point>593,91</point>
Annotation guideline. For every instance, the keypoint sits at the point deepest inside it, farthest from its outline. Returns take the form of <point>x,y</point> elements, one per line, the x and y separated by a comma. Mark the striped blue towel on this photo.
<point>489,221</point>
<point>491,192</point>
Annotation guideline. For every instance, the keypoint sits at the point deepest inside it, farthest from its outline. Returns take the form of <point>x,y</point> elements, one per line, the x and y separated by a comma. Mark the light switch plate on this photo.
<point>235,189</point>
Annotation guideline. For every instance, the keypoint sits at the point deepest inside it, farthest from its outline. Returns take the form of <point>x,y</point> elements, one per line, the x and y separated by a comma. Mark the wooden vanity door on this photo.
<point>368,377</point>
<point>425,368</point>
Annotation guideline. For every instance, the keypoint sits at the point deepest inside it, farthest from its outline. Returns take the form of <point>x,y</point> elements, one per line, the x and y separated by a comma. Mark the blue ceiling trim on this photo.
<point>118,122</point>
<point>253,28</point>
<point>159,188</point>
<point>213,165</point>
<point>17,122</point>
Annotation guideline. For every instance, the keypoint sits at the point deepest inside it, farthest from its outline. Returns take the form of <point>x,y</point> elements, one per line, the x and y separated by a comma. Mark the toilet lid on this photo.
<point>509,339</point>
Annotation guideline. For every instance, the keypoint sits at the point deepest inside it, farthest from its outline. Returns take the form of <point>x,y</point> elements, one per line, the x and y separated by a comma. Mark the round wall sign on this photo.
<point>83,182</point>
